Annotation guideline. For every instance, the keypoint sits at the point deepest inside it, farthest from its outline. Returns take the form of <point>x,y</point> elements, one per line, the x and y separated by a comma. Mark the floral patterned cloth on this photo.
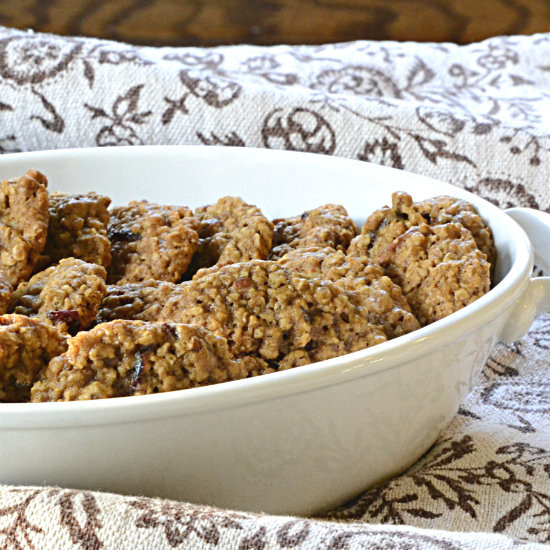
<point>477,116</point>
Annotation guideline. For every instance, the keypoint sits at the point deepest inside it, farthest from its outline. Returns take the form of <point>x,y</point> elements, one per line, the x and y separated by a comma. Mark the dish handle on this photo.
<point>536,299</point>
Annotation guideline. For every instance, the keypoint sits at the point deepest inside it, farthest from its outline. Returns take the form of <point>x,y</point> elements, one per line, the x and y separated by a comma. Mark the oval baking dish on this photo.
<point>297,441</point>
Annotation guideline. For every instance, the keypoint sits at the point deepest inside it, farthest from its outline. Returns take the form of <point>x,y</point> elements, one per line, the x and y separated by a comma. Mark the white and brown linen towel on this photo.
<point>477,116</point>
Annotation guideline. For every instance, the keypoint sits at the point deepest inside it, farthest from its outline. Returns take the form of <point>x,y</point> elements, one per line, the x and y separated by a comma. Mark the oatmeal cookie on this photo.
<point>23,224</point>
<point>230,231</point>
<point>67,295</point>
<point>150,241</point>
<point>125,357</point>
<point>26,346</point>
<point>369,287</point>
<point>137,301</point>
<point>263,309</point>
<point>439,268</point>
<point>444,209</point>
<point>326,226</point>
<point>78,229</point>
<point>386,224</point>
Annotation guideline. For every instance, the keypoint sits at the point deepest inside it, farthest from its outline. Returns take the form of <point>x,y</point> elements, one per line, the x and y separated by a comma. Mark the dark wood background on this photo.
<point>212,22</point>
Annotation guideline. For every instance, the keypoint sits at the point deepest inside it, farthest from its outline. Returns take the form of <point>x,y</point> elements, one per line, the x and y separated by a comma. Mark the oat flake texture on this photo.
<point>477,116</point>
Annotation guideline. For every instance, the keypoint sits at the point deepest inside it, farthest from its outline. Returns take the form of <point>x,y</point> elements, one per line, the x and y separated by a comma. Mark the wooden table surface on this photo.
<point>201,22</point>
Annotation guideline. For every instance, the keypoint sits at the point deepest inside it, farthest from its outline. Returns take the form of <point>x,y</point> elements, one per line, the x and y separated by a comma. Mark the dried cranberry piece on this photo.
<point>242,283</point>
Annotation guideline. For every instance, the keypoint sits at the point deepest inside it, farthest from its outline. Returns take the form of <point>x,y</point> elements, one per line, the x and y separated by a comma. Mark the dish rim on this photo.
<point>306,379</point>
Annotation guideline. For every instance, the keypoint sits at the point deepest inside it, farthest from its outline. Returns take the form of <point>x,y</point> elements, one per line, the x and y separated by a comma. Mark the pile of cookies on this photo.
<point>100,302</point>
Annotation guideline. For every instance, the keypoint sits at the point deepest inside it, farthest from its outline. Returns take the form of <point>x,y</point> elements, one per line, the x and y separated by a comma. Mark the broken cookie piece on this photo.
<point>124,358</point>
<point>151,241</point>
<point>26,346</point>
<point>263,309</point>
<point>78,229</point>
<point>24,220</point>
<point>67,295</point>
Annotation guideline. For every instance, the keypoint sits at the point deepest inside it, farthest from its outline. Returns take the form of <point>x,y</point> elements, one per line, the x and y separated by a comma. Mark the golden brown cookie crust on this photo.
<point>230,231</point>
<point>332,265</point>
<point>263,309</point>
<point>24,220</point>
<point>328,225</point>
<point>26,346</point>
<point>368,286</point>
<point>387,223</point>
<point>150,241</point>
<point>78,228</point>
<point>123,358</point>
<point>67,295</point>
<point>444,209</point>
<point>439,268</point>
<point>137,301</point>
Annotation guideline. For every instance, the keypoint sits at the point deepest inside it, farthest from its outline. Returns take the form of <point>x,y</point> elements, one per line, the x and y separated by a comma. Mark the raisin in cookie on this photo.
<point>230,231</point>
<point>326,226</point>
<point>263,309</point>
<point>369,287</point>
<point>67,295</point>
<point>138,301</point>
<point>24,220</point>
<point>439,268</point>
<point>26,346</point>
<point>386,224</point>
<point>78,229</point>
<point>151,241</point>
<point>123,358</point>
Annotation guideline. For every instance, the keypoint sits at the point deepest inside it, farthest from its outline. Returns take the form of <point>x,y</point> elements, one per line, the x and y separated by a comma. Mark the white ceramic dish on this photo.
<point>294,442</point>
